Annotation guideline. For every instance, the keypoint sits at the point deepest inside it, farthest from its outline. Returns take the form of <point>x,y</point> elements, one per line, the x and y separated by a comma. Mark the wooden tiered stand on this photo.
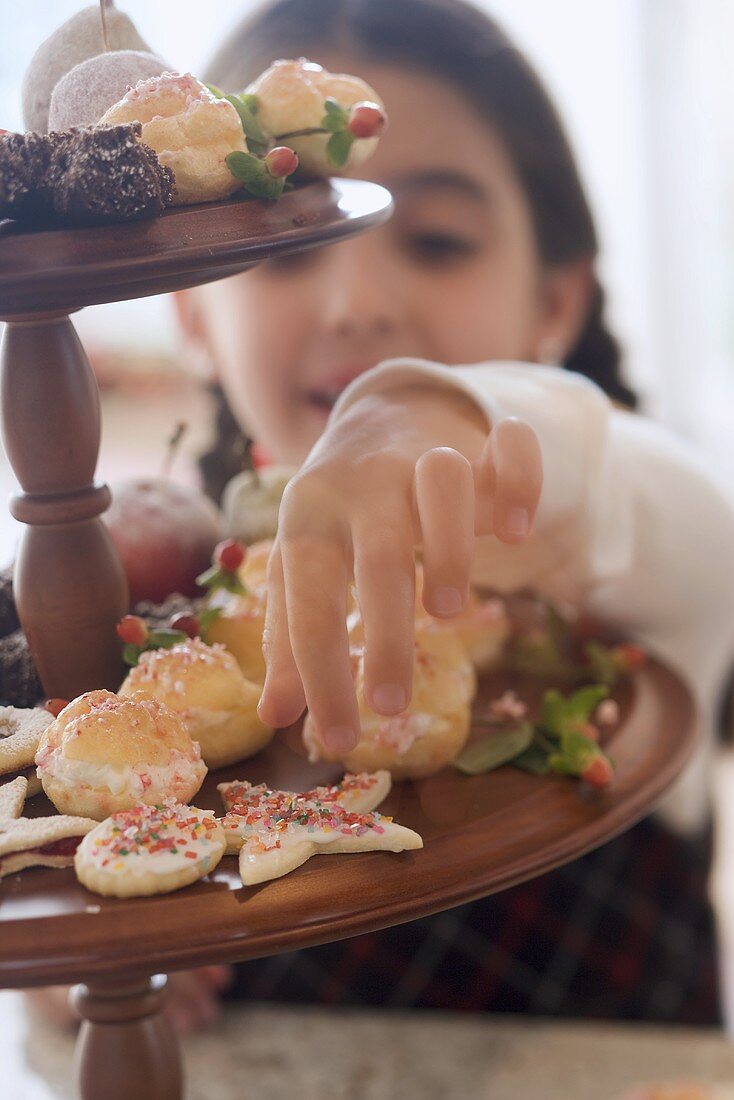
<point>481,834</point>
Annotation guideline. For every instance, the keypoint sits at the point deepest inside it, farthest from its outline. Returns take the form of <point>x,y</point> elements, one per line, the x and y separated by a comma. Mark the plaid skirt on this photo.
<point>627,932</point>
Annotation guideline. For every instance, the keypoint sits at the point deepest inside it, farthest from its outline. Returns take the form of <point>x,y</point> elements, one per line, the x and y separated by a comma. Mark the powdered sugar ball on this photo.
<point>83,95</point>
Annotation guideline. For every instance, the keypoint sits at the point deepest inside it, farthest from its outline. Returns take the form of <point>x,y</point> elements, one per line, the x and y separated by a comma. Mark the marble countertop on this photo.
<point>320,1054</point>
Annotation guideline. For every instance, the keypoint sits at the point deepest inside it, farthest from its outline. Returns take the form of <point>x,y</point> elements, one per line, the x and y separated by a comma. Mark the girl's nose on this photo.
<point>359,295</point>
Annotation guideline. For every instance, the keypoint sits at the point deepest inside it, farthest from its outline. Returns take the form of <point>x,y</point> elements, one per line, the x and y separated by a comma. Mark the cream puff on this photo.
<point>150,850</point>
<point>204,685</point>
<point>291,97</point>
<point>240,622</point>
<point>189,128</point>
<point>430,732</point>
<point>105,753</point>
<point>483,626</point>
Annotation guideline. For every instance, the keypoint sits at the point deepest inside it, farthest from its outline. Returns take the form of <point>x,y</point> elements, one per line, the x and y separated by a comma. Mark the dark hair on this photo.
<point>468,49</point>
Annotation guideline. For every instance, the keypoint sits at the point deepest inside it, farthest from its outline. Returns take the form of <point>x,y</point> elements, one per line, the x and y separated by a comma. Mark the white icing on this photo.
<point>402,731</point>
<point>146,781</point>
<point>206,849</point>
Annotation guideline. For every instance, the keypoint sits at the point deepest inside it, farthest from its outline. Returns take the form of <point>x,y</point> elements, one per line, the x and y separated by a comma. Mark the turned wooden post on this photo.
<point>126,1049</point>
<point>69,585</point>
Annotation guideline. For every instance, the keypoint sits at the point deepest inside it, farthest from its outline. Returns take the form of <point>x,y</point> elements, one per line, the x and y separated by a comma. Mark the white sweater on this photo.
<point>631,528</point>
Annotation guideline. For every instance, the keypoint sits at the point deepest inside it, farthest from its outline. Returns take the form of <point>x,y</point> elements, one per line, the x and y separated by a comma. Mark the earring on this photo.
<point>550,352</point>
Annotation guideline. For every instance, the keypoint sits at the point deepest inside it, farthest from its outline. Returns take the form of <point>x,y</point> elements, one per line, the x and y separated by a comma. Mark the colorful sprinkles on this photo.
<point>169,827</point>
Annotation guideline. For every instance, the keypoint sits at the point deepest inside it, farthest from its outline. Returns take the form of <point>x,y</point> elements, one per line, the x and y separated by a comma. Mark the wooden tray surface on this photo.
<point>482,834</point>
<point>56,270</point>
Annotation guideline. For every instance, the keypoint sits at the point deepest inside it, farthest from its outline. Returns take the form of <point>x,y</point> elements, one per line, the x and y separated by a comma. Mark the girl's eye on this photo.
<point>439,248</point>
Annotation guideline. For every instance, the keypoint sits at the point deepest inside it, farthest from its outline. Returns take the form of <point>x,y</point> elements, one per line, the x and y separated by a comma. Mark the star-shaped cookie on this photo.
<point>359,792</point>
<point>280,830</point>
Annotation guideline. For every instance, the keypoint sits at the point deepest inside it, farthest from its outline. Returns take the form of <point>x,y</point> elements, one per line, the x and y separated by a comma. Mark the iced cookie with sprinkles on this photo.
<point>280,830</point>
<point>358,793</point>
<point>150,850</point>
<point>20,733</point>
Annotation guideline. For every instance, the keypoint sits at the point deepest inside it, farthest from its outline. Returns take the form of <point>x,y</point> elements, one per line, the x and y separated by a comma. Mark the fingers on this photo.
<point>444,496</point>
<point>508,478</point>
<point>316,574</point>
<point>282,700</point>
<point>384,572</point>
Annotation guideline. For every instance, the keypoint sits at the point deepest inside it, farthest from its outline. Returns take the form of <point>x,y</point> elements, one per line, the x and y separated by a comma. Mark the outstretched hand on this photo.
<point>399,470</point>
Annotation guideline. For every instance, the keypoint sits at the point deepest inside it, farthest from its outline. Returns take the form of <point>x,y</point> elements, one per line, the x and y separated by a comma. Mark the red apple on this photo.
<point>164,533</point>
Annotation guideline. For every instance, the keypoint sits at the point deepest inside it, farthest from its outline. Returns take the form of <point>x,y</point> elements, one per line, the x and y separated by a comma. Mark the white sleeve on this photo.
<point>631,526</point>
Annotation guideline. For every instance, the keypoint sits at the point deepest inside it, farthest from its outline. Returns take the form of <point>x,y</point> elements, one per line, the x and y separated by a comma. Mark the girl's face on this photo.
<point>454,276</point>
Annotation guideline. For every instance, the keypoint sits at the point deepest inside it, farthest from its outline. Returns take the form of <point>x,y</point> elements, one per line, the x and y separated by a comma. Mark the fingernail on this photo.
<point>340,738</point>
<point>391,698</point>
<point>447,601</point>
<point>517,522</point>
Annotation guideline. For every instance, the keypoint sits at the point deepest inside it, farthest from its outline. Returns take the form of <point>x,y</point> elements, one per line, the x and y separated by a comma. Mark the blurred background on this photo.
<point>645,89</point>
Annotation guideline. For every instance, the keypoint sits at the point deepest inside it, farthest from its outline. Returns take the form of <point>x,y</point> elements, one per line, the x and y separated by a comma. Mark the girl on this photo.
<point>488,260</point>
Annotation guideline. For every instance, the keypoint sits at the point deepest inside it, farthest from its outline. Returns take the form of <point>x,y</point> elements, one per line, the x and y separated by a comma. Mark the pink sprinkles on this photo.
<point>170,827</point>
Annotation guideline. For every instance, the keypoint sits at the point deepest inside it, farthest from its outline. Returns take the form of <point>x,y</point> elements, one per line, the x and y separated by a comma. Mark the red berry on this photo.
<point>598,773</point>
<point>629,656</point>
<point>187,624</point>
<point>281,162</point>
<point>229,555</point>
<point>55,706</point>
<point>132,630</point>
<point>366,120</point>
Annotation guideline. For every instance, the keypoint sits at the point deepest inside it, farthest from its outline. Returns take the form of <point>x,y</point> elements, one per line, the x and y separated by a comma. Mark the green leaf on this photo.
<point>336,118</point>
<point>338,148</point>
<point>603,665</point>
<point>553,712</point>
<point>165,638</point>
<point>131,654</point>
<point>533,760</point>
<point>208,577</point>
<point>493,752</point>
<point>557,762</point>
<point>246,107</point>
<point>208,616</point>
<point>584,702</point>
<point>253,175</point>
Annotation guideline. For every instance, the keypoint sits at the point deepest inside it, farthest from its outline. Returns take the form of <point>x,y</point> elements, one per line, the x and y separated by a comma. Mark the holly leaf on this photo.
<point>602,663</point>
<point>338,147</point>
<point>582,704</point>
<point>533,760</point>
<point>131,654</point>
<point>254,176</point>
<point>246,108</point>
<point>207,617</point>
<point>165,638</point>
<point>336,118</point>
<point>493,752</point>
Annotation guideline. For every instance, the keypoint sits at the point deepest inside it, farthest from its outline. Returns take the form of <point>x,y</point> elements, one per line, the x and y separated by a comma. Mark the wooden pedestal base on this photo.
<point>126,1049</point>
<point>69,585</point>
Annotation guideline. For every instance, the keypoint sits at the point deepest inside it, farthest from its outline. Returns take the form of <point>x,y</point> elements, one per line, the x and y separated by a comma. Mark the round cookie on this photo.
<point>150,850</point>
<point>203,684</point>
<point>430,732</point>
<point>189,128</point>
<point>106,753</point>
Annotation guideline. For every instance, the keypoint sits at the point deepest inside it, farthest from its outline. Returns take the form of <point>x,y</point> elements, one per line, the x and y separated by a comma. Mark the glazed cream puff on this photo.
<point>291,96</point>
<point>191,131</point>
<point>483,626</point>
<point>241,621</point>
<point>204,685</point>
<point>150,850</point>
<point>434,728</point>
<point>106,753</point>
